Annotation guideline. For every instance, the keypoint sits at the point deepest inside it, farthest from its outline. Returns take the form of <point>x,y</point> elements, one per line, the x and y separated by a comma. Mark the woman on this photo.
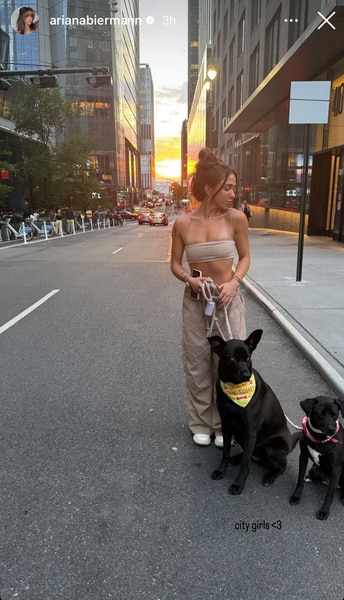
<point>210,236</point>
<point>25,21</point>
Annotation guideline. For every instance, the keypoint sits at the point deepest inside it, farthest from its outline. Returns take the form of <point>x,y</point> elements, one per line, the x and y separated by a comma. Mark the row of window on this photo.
<point>258,66</point>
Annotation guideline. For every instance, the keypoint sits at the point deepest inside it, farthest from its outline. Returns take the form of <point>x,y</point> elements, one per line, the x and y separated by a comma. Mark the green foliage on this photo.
<point>59,172</point>
<point>39,113</point>
<point>177,191</point>
<point>75,176</point>
<point>5,188</point>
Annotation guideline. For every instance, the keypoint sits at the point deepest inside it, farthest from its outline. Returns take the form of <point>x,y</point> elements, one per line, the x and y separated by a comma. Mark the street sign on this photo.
<point>309,103</point>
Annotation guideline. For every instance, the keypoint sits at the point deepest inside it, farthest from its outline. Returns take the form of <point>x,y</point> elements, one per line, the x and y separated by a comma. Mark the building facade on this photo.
<point>184,154</point>
<point>200,117</point>
<point>147,145</point>
<point>69,37</point>
<point>260,47</point>
<point>125,38</point>
<point>193,45</point>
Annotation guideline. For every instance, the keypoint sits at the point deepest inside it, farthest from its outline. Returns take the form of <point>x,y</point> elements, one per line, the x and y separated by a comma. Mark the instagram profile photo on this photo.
<point>24,20</point>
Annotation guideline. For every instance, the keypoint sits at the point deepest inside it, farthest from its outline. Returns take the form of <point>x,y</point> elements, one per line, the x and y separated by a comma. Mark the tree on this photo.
<point>178,192</point>
<point>41,114</point>
<point>75,175</point>
<point>6,169</point>
<point>57,171</point>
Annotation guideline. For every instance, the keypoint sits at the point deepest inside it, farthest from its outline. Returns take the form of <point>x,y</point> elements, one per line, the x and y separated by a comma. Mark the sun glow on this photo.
<point>167,169</point>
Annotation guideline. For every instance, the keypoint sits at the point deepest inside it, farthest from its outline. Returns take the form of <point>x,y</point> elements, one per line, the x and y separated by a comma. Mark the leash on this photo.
<point>210,293</point>
<point>292,424</point>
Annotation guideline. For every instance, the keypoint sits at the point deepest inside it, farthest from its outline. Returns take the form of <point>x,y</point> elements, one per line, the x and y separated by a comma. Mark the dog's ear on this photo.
<point>217,344</point>
<point>254,339</point>
<point>339,403</point>
<point>307,405</point>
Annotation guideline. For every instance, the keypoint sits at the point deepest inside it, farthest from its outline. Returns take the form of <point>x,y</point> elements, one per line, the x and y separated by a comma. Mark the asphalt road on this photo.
<point>103,493</point>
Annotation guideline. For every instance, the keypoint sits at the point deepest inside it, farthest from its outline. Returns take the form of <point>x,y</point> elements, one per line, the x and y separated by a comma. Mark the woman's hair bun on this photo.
<point>210,171</point>
<point>205,153</point>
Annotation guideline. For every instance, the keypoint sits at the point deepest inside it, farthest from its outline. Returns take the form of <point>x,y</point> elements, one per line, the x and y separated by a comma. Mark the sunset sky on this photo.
<point>164,47</point>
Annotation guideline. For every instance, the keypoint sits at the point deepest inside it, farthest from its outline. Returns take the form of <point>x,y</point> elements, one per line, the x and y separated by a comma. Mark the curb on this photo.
<point>326,370</point>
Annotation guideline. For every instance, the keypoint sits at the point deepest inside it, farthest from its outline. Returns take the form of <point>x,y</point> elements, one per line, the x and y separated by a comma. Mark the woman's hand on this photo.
<point>226,292</point>
<point>196,283</point>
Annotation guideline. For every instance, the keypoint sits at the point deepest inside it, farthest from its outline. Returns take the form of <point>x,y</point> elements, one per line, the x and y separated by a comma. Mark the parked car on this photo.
<point>158,219</point>
<point>129,216</point>
<point>143,218</point>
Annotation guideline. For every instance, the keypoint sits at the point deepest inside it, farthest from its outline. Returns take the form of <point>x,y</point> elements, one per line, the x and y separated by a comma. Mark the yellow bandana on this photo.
<point>240,393</point>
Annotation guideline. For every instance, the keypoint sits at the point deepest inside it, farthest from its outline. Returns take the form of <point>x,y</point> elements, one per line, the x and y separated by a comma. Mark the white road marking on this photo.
<point>27,311</point>
<point>119,249</point>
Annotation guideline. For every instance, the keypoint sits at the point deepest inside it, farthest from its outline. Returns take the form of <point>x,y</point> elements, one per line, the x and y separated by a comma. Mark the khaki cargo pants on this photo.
<point>200,363</point>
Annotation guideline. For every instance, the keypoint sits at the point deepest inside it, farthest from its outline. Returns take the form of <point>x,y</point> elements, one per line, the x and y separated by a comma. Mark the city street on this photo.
<point>103,493</point>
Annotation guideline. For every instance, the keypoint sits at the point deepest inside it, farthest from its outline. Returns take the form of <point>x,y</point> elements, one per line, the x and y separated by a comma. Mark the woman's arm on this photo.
<point>228,289</point>
<point>177,252</point>
<point>242,244</point>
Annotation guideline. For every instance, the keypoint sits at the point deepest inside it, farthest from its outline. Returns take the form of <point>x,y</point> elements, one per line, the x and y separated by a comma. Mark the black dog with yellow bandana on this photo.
<point>250,412</point>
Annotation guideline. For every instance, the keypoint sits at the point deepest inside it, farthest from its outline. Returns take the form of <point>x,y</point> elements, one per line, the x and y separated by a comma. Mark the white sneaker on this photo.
<point>218,441</point>
<point>201,439</point>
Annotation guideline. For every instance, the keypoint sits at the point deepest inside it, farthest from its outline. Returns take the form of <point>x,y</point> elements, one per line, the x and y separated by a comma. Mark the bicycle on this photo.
<point>9,231</point>
<point>37,231</point>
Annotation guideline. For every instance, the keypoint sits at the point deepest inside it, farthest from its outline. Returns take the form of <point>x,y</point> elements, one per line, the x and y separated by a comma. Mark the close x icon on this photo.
<point>326,20</point>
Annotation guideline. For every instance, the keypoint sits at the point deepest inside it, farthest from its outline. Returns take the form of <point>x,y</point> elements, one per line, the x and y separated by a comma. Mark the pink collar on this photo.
<point>329,438</point>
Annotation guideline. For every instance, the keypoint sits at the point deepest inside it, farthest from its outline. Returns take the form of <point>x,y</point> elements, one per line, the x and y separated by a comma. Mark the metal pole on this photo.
<point>55,71</point>
<point>303,204</point>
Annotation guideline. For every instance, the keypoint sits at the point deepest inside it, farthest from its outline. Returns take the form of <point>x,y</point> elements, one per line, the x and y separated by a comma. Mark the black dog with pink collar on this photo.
<point>322,441</point>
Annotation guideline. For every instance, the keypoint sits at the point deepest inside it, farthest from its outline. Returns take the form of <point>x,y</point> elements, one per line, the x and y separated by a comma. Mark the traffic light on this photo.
<point>97,81</point>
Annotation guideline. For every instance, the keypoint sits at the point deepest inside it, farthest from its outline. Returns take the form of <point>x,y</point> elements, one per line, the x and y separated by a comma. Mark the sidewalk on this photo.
<point>311,311</point>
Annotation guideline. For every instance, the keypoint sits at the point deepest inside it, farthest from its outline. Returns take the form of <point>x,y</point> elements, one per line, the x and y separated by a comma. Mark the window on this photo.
<point>231,13</point>
<point>230,103</point>
<point>254,70</point>
<point>301,13</point>
<point>241,35</point>
<point>255,13</point>
<point>272,44</point>
<point>240,91</point>
<point>231,56</point>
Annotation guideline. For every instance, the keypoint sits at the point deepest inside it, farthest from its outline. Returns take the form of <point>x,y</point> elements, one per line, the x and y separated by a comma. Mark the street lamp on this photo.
<point>211,71</point>
<point>209,86</point>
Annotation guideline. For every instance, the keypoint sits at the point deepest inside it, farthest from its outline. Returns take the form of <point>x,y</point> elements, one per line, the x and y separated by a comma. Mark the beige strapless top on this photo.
<point>210,251</point>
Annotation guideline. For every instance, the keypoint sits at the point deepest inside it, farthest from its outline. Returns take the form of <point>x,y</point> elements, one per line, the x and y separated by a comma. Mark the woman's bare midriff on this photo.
<point>220,271</point>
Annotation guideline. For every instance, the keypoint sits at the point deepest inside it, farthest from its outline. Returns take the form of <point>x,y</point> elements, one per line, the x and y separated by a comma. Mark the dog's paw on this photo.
<point>322,515</point>
<point>268,479</point>
<point>217,474</point>
<point>294,500</point>
<point>235,489</point>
